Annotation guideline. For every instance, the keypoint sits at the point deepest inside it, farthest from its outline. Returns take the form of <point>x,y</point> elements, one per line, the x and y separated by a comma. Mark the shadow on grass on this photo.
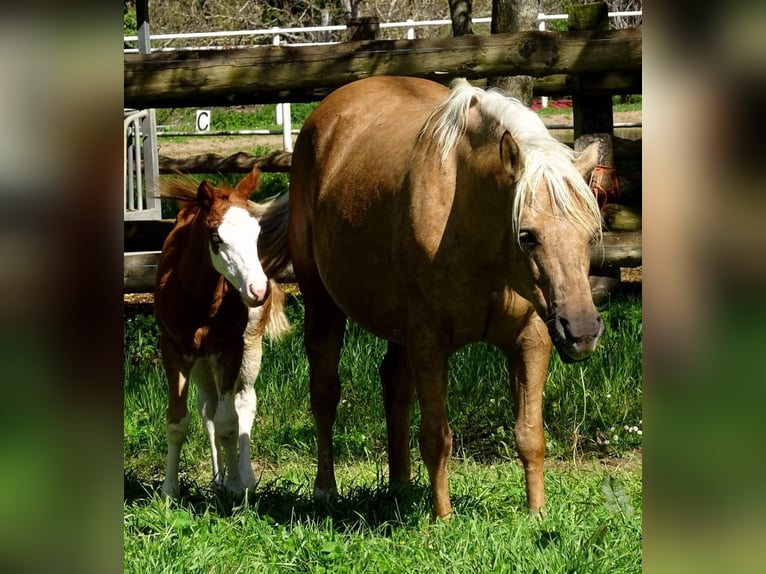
<point>377,506</point>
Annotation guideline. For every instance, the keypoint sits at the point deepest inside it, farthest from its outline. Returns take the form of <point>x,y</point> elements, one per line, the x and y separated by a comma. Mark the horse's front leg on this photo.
<point>207,405</point>
<point>528,368</point>
<point>177,371</point>
<point>245,401</point>
<point>428,369</point>
<point>227,426</point>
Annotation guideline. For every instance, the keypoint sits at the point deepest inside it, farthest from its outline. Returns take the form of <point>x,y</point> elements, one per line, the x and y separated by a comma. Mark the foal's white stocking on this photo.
<point>176,434</point>
<point>207,403</point>
<point>245,401</point>
<point>226,429</point>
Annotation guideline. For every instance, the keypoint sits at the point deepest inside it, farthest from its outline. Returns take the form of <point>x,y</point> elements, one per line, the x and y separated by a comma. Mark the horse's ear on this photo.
<point>205,194</point>
<point>510,156</point>
<point>587,160</point>
<point>249,184</point>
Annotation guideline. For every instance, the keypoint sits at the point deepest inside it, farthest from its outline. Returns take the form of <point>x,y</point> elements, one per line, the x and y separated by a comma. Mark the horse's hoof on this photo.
<point>171,490</point>
<point>324,494</point>
<point>234,488</point>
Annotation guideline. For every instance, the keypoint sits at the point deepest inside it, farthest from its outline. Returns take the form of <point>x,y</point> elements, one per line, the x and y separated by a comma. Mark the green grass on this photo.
<point>369,530</point>
<point>628,103</point>
<point>262,117</point>
<point>594,510</point>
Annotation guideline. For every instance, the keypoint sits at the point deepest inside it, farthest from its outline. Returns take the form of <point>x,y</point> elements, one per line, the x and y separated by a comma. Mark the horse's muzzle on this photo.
<point>255,298</point>
<point>575,338</point>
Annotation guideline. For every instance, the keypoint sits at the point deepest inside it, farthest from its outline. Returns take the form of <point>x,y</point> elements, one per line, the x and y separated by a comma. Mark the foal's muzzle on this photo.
<point>256,297</point>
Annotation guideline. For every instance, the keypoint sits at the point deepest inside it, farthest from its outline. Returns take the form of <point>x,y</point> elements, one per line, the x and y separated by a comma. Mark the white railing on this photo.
<point>410,26</point>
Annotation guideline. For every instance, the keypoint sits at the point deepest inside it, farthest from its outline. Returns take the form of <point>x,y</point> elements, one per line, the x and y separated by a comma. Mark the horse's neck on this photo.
<point>460,203</point>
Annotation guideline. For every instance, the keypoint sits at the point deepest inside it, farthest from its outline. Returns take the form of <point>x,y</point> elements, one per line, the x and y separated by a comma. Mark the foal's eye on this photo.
<point>528,239</point>
<point>215,241</point>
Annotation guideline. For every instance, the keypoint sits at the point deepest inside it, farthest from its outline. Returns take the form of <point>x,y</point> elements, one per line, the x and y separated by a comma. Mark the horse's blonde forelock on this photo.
<point>543,157</point>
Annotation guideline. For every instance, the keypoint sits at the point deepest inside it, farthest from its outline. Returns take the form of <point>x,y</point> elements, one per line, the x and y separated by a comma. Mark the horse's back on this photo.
<point>363,132</point>
<point>350,162</point>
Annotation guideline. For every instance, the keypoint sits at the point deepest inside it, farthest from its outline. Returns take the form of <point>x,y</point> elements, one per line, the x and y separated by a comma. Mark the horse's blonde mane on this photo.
<point>542,156</point>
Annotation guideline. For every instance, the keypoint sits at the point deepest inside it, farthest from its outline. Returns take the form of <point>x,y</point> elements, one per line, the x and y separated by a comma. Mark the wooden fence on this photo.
<point>589,65</point>
<point>271,74</point>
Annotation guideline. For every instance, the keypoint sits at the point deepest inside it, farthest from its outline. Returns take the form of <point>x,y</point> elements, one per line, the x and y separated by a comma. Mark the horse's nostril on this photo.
<point>564,322</point>
<point>257,294</point>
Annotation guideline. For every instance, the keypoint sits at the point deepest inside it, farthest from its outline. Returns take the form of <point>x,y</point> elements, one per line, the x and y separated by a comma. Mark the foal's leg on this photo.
<point>177,373</point>
<point>324,327</point>
<point>245,399</point>
<point>226,418</point>
<point>398,393</point>
<point>528,366</point>
<point>207,403</point>
<point>428,368</point>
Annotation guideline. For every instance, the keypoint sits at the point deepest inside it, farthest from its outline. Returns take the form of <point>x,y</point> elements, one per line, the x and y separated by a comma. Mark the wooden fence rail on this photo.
<point>269,74</point>
<point>240,162</point>
<point>619,250</point>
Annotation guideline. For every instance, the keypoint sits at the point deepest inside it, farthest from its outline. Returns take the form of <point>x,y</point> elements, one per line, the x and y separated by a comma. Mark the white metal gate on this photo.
<point>141,170</point>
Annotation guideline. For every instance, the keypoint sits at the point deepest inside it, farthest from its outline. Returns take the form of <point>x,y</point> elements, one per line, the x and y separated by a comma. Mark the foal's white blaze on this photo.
<point>237,258</point>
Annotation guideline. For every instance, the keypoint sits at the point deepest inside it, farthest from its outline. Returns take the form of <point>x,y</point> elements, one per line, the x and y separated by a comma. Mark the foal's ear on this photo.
<point>510,155</point>
<point>249,184</point>
<point>587,160</point>
<point>205,194</point>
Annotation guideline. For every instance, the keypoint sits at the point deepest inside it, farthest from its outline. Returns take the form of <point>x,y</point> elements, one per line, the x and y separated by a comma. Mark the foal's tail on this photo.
<point>272,242</point>
<point>278,325</point>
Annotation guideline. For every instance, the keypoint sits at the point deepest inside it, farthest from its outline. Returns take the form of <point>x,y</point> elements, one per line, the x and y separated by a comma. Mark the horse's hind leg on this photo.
<point>207,404</point>
<point>398,394</point>
<point>324,327</point>
<point>529,369</point>
<point>177,373</point>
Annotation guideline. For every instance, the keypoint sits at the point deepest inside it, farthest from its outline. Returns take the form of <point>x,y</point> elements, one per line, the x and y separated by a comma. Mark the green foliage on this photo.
<point>627,103</point>
<point>129,21</point>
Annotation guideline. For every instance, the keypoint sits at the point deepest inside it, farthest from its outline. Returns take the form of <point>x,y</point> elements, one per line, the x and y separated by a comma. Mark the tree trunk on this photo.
<point>460,12</point>
<point>514,16</point>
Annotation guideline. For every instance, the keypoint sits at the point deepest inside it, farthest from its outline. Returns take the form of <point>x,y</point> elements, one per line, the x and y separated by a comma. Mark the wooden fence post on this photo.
<point>592,112</point>
<point>593,121</point>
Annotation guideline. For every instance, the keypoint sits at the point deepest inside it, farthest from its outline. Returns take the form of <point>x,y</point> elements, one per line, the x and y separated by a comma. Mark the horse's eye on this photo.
<point>528,239</point>
<point>215,241</point>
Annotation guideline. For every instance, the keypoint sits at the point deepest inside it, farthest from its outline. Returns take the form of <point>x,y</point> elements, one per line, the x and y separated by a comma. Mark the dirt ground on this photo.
<point>228,145</point>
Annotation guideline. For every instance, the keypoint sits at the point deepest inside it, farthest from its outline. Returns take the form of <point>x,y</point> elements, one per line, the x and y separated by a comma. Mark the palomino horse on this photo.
<point>435,218</point>
<point>213,302</point>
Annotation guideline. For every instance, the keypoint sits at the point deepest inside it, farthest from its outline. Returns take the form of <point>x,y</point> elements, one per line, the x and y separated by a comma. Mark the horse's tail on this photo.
<point>277,324</point>
<point>272,242</point>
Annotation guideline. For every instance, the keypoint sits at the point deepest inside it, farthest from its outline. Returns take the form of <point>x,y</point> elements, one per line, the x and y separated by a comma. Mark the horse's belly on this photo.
<point>358,272</point>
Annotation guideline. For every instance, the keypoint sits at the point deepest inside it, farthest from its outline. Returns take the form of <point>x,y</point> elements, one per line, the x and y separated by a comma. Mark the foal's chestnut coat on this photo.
<point>214,302</point>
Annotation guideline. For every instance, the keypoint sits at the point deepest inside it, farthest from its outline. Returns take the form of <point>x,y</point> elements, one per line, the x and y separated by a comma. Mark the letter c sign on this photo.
<point>203,120</point>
